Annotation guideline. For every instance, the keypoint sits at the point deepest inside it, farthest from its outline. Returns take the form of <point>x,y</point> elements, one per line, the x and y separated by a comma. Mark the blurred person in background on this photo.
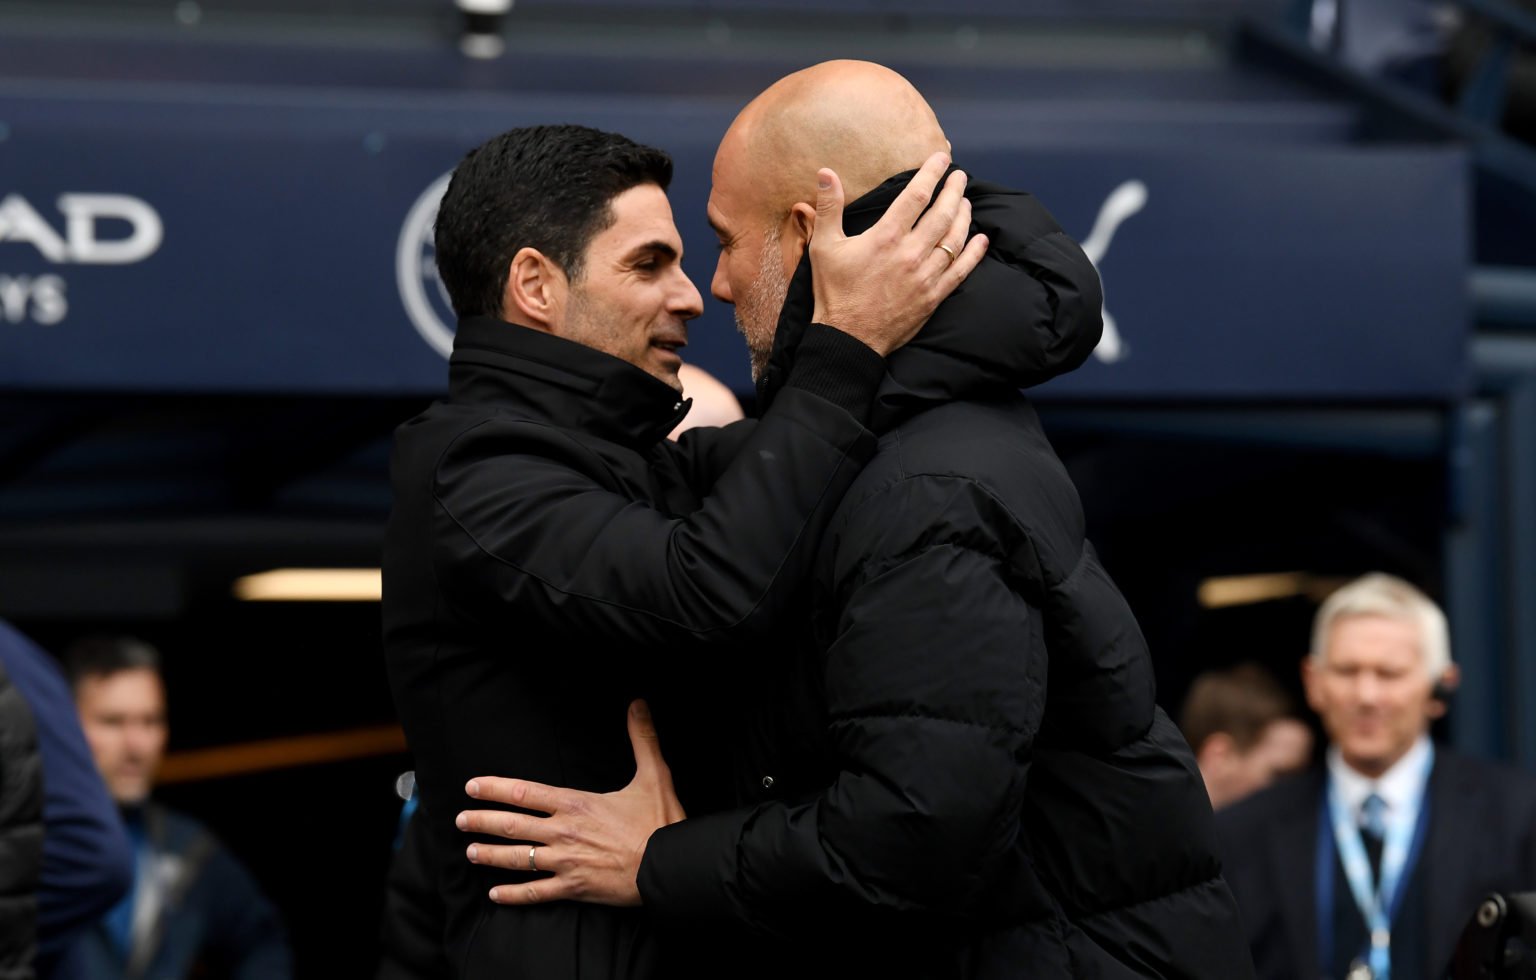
<point>87,863</point>
<point>193,910</point>
<point>1244,730</point>
<point>1374,861</point>
<point>713,402</point>
<point>1405,40</point>
<point>1470,44</point>
<point>21,832</point>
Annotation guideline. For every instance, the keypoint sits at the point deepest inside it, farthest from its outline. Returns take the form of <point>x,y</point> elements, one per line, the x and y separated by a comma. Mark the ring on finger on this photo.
<point>532,865</point>
<point>947,250</point>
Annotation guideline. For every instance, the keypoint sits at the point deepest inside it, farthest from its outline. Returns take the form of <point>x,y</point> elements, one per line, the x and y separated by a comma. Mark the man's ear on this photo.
<point>1440,695</point>
<point>1216,751</point>
<point>536,291</point>
<point>800,225</point>
<point>1311,683</point>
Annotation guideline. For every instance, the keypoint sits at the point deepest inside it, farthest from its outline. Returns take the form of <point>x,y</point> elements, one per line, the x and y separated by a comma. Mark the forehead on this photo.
<point>136,689</point>
<point>726,192</point>
<point>641,215</point>
<point>1374,637</point>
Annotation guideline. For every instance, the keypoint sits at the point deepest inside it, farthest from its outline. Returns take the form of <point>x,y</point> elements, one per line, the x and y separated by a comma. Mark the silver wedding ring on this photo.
<point>947,251</point>
<point>532,866</point>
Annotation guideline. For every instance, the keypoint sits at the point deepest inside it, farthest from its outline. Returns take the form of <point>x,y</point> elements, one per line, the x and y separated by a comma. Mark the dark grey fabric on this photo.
<point>21,833</point>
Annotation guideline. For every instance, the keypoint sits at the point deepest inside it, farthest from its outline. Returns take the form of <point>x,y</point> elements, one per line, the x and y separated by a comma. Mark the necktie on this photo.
<point>1373,831</point>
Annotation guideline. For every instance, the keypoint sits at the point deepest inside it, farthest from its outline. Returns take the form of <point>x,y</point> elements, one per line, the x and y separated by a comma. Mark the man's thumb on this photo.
<point>643,738</point>
<point>829,205</point>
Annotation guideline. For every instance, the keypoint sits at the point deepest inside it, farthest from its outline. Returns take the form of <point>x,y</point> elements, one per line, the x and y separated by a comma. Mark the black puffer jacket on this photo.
<point>969,777</point>
<point>21,832</point>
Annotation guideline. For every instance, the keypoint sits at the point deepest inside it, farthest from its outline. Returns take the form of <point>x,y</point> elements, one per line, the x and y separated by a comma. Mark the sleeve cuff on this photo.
<point>837,367</point>
<point>689,868</point>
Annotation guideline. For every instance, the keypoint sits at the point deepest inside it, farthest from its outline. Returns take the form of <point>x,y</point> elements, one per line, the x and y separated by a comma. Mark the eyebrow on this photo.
<point>663,248</point>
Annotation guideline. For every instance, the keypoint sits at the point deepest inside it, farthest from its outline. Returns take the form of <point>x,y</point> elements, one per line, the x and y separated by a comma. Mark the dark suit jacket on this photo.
<point>216,922</point>
<point>1481,838</point>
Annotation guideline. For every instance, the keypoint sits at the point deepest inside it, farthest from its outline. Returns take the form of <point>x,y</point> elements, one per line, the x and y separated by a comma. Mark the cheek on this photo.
<point>748,265</point>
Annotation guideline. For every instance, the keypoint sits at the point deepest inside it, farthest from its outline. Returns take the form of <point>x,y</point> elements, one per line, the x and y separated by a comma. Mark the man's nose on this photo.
<point>1368,688</point>
<point>686,301</point>
<point>720,285</point>
<point>140,740</point>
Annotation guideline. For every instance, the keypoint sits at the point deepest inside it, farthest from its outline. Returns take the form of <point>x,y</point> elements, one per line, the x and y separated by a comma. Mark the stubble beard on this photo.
<point>757,314</point>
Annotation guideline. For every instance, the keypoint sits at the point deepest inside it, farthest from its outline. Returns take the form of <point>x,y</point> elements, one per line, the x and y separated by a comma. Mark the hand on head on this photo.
<point>883,285</point>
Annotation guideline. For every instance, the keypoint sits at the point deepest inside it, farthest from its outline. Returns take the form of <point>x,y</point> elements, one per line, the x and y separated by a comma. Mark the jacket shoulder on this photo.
<point>976,474</point>
<point>1513,786</point>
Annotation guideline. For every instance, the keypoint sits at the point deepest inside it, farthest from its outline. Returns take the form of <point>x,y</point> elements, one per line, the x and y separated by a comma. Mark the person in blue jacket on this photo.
<point>87,861</point>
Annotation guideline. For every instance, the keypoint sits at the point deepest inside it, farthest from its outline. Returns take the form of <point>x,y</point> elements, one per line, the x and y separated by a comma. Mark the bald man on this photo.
<point>959,770</point>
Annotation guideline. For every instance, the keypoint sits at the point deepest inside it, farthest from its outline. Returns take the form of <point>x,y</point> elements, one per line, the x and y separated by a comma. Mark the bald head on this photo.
<point>861,119</point>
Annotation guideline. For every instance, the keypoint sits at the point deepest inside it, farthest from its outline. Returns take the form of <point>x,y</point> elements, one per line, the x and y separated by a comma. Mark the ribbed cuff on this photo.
<point>835,366</point>
<point>688,866</point>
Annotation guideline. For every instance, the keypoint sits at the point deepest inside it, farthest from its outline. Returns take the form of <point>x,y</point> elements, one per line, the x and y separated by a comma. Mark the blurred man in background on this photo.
<point>1375,861</point>
<point>193,911</point>
<point>713,401</point>
<point>1244,731</point>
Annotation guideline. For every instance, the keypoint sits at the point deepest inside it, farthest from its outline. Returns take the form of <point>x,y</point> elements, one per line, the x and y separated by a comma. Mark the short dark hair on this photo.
<point>1241,701</point>
<point>543,187</point>
<point>103,655</point>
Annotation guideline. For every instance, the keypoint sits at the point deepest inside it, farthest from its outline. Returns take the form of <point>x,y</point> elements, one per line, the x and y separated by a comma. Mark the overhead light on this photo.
<point>1242,590</point>
<point>481,37</point>
<point>312,585</point>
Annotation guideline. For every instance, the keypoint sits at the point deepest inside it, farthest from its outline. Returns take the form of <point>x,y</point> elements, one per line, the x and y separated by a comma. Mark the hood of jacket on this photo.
<point>1032,310</point>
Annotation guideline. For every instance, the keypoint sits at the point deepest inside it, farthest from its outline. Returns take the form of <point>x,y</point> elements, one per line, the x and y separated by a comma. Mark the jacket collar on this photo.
<point>499,363</point>
<point>1029,312</point>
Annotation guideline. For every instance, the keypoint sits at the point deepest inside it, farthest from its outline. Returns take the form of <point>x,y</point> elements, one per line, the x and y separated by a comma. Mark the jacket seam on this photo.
<point>839,720</point>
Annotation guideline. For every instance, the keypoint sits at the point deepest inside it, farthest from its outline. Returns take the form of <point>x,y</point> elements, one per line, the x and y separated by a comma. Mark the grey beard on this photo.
<point>757,315</point>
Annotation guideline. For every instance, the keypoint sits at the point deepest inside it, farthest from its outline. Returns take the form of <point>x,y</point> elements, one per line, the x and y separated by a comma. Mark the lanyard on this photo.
<point>1400,853</point>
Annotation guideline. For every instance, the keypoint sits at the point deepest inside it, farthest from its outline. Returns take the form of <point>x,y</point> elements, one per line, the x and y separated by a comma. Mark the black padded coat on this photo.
<point>965,773</point>
<point>536,580</point>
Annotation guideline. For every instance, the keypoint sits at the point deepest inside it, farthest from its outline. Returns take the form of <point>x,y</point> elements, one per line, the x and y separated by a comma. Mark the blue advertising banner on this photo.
<point>253,244</point>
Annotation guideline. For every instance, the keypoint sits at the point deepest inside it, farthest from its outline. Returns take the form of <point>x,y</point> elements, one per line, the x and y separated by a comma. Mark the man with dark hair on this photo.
<point>955,767</point>
<point>520,188</point>
<point>551,556</point>
<point>1243,728</point>
<point>192,908</point>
